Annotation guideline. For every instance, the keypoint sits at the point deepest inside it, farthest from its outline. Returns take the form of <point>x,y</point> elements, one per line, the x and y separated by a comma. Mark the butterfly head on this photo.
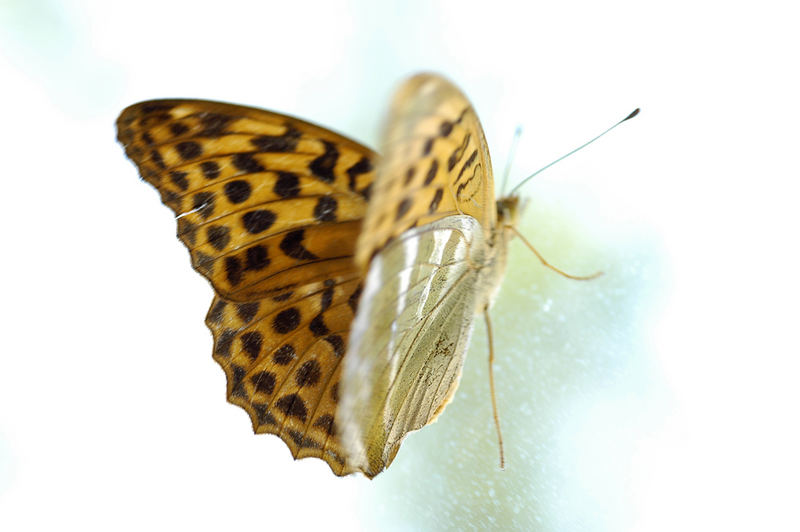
<point>509,210</point>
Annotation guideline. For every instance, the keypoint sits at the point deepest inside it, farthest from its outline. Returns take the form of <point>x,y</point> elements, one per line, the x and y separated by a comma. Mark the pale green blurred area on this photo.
<point>572,361</point>
<point>661,396</point>
<point>50,41</point>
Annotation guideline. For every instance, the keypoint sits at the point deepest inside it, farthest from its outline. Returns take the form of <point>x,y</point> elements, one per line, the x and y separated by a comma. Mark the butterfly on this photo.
<point>345,283</point>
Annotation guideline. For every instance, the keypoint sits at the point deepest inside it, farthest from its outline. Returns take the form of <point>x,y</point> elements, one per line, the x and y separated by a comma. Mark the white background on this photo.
<point>662,396</point>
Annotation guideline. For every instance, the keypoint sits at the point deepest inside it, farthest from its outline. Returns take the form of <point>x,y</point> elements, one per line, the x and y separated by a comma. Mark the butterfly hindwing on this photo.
<point>410,337</point>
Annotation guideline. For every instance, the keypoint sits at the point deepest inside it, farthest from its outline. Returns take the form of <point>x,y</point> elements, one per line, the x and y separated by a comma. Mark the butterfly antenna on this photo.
<point>546,264</point>
<point>491,387</point>
<point>540,170</point>
<point>511,153</point>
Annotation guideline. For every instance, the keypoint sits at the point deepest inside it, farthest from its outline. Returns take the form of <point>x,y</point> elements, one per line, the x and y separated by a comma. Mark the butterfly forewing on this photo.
<point>251,189</point>
<point>434,164</point>
<point>270,208</point>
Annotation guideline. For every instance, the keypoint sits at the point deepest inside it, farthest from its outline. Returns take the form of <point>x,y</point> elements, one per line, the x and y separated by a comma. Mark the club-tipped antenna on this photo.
<point>540,170</point>
<point>511,153</point>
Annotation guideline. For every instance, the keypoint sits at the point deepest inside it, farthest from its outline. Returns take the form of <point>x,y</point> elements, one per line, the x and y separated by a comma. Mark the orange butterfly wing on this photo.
<point>435,163</point>
<point>270,208</point>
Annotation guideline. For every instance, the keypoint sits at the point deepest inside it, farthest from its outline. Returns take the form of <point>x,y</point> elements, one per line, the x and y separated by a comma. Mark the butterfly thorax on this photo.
<point>497,257</point>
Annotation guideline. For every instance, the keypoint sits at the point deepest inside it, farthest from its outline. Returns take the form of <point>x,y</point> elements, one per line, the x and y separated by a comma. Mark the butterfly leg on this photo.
<point>548,265</point>
<point>491,385</point>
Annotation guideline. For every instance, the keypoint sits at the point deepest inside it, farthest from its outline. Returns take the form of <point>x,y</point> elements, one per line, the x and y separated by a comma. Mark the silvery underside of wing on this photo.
<point>409,337</point>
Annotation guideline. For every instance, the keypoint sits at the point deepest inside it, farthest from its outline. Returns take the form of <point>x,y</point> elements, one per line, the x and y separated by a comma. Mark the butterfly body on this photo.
<point>346,284</point>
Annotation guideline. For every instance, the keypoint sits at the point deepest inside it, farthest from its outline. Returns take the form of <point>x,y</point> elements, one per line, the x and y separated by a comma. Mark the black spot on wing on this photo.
<point>431,175</point>
<point>264,382</point>
<point>445,128</point>
<point>213,124</point>
<point>325,422</point>
<point>222,345</point>
<point>179,179</point>
<point>258,221</point>
<point>218,236</point>
<point>187,230</point>
<point>237,191</point>
<point>284,354</point>
<point>286,321</point>
<point>426,149</point>
<point>263,415</point>
<point>435,201</point>
<point>156,107</point>
<point>409,176</point>
<point>247,163</point>
<point>352,301</point>
<point>467,164</point>
<point>322,167</point>
<point>203,262</point>
<point>256,258</point>
<point>251,343</point>
<point>217,312</point>
<point>155,156</point>
<point>203,203</point>
<point>292,246</point>
<point>189,150</point>
<point>458,153</point>
<point>402,208</point>
<point>318,327</point>
<point>247,311</point>
<point>233,270</point>
<point>308,374</point>
<point>363,166</point>
<point>287,185</point>
<point>237,384</point>
<point>337,343</point>
<point>210,169</point>
<point>277,143</point>
<point>325,209</point>
<point>292,405</point>
<point>327,297</point>
<point>178,128</point>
